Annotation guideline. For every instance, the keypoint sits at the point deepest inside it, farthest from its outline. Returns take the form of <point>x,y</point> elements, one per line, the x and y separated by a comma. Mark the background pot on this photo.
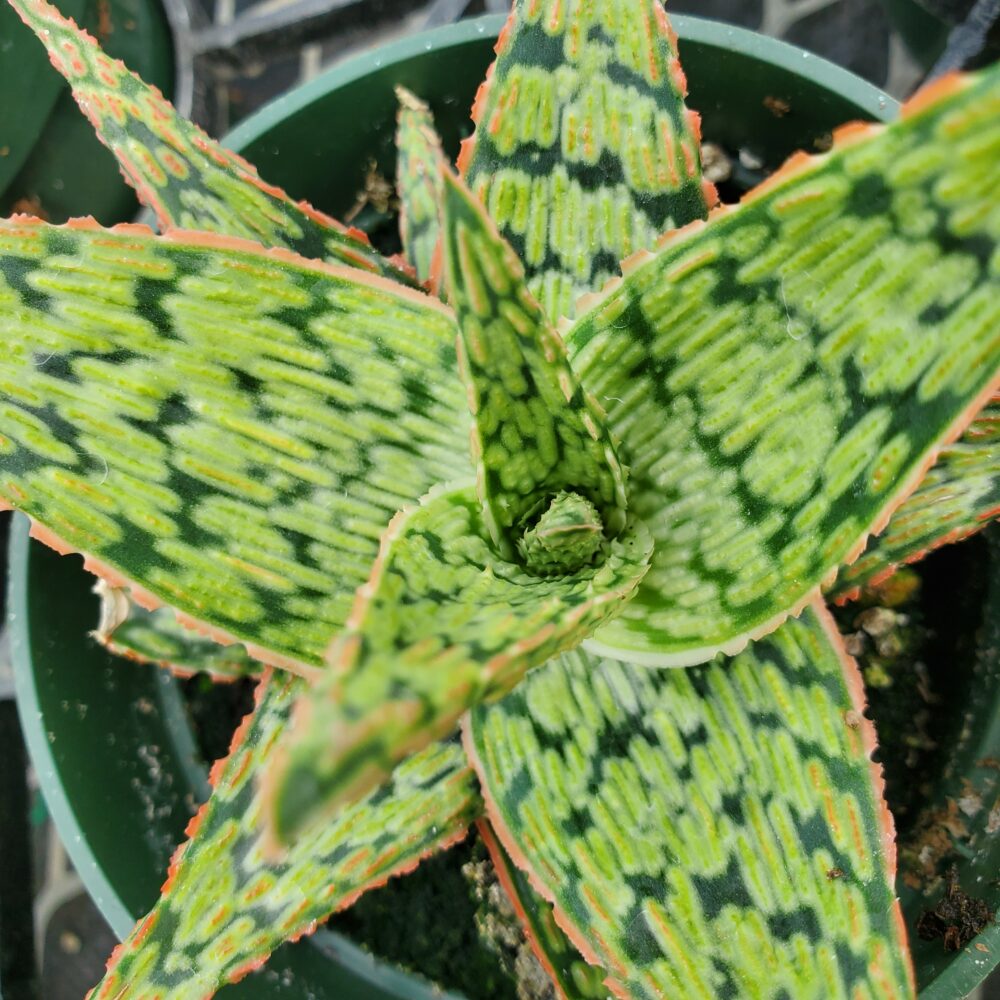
<point>110,740</point>
<point>51,162</point>
<point>924,26</point>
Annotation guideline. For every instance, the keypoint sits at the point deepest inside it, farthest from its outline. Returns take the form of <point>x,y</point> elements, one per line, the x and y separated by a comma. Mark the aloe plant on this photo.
<point>255,425</point>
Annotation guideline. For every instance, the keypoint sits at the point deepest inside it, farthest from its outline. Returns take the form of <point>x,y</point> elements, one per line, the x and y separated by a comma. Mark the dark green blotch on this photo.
<point>870,196</point>
<point>802,921</point>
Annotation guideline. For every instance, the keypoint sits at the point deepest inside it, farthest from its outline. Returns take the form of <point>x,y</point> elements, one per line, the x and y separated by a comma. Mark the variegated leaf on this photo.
<point>225,906</point>
<point>228,429</point>
<point>583,151</point>
<point>418,180</point>
<point>134,633</point>
<point>572,977</point>
<point>441,625</point>
<point>188,179</point>
<point>781,377</point>
<point>705,833</point>
<point>957,497</point>
<point>539,439</point>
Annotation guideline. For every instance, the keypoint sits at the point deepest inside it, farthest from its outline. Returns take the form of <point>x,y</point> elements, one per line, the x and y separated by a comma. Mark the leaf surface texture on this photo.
<point>441,625</point>
<point>536,432</point>
<point>845,315</point>
<point>709,832</point>
<point>418,172</point>
<point>226,905</point>
<point>229,429</point>
<point>188,179</point>
<point>584,151</point>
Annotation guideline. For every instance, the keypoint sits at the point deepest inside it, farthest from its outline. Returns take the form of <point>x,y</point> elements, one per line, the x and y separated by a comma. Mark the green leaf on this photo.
<point>441,625</point>
<point>537,433</point>
<point>228,429</point>
<point>226,906</point>
<point>781,376</point>
<point>957,497</point>
<point>188,179</point>
<point>134,633</point>
<point>418,179</point>
<point>583,151</point>
<point>28,82</point>
<point>572,978</point>
<point>705,833</point>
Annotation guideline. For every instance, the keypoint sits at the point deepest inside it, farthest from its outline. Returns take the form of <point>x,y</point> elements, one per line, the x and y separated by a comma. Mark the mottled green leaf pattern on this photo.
<point>188,179</point>
<point>442,624</point>
<point>957,497</point>
<point>583,151</point>
<point>134,633</point>
<point>537,433</point>
<point>845,316</point>
<point>572,977</point>
<point>705,833</point>
<point>229,429</point>
<point>226,905</point>
<point>418,180</point>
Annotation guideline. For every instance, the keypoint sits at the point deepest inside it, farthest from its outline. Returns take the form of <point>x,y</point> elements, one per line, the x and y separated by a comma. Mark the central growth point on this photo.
<point>566,537</point>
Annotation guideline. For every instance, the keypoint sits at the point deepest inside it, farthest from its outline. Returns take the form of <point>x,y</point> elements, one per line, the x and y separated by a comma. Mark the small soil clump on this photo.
<point>957,919</point>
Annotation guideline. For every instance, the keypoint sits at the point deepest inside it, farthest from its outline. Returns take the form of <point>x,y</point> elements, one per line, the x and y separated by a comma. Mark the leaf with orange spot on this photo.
<point>418,179</point>
<point>782,377</point>
<point>229,448</point>
<point>226,906</point>
<point>959,496</point>
<point>132,632</point>
<point>584,151</point>
<point>442,624</point>
<point>188,179</point>
<point>718,831</point>
<point>572,977</point>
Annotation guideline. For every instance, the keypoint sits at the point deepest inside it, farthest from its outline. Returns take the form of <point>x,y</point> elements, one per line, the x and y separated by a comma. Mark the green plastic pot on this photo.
<point>49,154</point>
<point>114,753</point>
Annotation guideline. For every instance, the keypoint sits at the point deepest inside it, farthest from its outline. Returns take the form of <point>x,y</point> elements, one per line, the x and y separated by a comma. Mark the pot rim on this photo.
<point>771,52</point>
<point>717,34</point>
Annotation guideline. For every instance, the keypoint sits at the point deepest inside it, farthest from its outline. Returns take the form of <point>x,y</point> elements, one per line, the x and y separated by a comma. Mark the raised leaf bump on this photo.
<point>418,181</point>
<point>187,178</point>
<point>583,151</point>
<point>441,625</point>
<point>225,906</point>
<point>572,977</point>
<point>132,632</point>
<point>537,433</point>
<point>958,496</point>
<point>845,314</point>
<point>710,832</point>
<point>227,429</point>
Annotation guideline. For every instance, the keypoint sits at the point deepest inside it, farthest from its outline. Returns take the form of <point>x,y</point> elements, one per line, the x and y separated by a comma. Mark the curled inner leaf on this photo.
<point>567,536</point>
<point>441,625</point>
<point>537,433</point>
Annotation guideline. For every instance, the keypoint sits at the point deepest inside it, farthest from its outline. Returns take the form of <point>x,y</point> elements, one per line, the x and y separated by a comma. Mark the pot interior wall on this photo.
<point>114,754</point>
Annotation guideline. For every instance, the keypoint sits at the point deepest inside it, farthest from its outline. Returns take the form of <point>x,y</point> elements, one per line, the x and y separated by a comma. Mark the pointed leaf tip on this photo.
<point>537,432</point>
<point>225,906</point>
<point>575,86</point>
<point>418,180</point>
<point>187,178</point>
